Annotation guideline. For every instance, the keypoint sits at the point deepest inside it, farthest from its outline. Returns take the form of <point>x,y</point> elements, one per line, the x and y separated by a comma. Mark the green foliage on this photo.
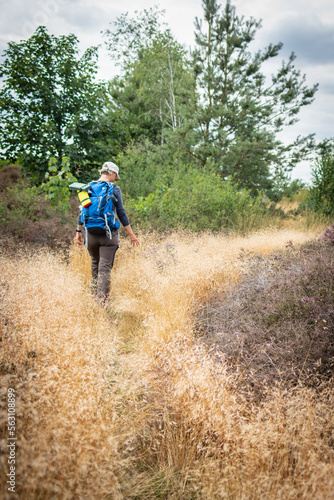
<point>134,113</point>
<point>321,197</point>
<point>153,94</point>
<point>199,202</point>
<point>107,136</point>
<point>293,188</point>
<point>129,36</point>
<point>239,114</point>
<point>211,109</point>
<point>57,184</point>
<point>144,166</point>
<point>165,82</point>
<point>49,102</point>
<point>4,163</point>
<point>283,186</point>
<point>215,106</point>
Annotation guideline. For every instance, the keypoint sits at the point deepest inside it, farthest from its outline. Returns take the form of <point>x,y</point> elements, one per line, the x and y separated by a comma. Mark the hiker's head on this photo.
<point>108,168</point>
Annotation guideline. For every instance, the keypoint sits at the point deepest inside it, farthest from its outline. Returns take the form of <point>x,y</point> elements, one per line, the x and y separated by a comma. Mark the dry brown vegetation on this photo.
<point>130,402</point>
<point>277,324</point>
<point>9,175</point>
<point>26,215</point>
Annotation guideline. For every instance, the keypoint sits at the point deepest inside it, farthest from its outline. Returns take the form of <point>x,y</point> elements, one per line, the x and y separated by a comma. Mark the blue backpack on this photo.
<point>99,217</point>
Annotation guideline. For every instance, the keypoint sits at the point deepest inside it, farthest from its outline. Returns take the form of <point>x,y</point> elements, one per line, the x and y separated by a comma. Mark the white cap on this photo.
<point>108,167</point>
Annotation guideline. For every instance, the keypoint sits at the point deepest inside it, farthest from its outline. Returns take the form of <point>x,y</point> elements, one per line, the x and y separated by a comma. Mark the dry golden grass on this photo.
<point>164,281</point>
<point>288,205</point>
<point>56,348</point>
<point>126,403</point>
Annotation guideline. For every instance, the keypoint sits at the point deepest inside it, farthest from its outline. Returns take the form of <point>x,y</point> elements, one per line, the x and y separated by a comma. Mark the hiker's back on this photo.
<point>99,217</point>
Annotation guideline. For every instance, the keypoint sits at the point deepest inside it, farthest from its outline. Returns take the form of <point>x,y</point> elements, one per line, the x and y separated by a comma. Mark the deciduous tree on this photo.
<point>49,103</point>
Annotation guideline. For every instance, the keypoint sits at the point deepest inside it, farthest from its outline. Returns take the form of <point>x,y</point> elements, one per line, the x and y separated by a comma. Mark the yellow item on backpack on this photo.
<point>84,199</point>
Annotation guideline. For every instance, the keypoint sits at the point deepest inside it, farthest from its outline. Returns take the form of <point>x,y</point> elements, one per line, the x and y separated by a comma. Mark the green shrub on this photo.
<point>321,196</point>
<point>199,201</point>
<point>139,168</point>
<point>57,184</point>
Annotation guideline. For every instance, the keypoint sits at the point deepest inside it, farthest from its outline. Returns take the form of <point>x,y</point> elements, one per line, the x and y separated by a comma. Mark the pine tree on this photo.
<point>239,113</point>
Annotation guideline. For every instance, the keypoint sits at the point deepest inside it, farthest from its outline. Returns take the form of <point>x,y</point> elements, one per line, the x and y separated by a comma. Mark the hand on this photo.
<point>78,238</point>
<point>134,240</point>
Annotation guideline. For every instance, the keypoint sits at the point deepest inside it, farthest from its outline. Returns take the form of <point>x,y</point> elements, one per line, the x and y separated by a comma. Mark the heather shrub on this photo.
<point>277,324</point>
<point>9,175</point>
<point>25,214</point>
<point>328,236</point>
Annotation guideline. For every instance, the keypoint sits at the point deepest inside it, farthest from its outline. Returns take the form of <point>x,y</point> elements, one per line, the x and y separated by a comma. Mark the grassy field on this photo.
<point>132,401</point>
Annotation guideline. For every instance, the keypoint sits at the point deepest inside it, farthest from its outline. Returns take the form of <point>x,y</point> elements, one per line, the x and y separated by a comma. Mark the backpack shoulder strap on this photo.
<point>110,188</point>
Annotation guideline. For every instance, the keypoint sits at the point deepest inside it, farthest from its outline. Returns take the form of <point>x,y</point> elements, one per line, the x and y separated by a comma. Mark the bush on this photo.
<point>9,174</point>
<point>321,197</point>
<point>199,201</point>
<point>140,169</point>
<point>57,184</point>
<point>20,203</point>
<point>328,236</point>
<point>25,214</point>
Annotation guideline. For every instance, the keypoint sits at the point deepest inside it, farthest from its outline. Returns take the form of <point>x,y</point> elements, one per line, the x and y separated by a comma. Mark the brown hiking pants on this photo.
<point>102,250</point>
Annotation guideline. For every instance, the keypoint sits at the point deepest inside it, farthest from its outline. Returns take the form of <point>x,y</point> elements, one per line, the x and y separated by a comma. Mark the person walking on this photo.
<point>101,247</point>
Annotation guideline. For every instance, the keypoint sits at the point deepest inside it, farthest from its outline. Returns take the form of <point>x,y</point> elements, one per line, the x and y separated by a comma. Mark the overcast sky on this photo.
<point>304,26</point>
